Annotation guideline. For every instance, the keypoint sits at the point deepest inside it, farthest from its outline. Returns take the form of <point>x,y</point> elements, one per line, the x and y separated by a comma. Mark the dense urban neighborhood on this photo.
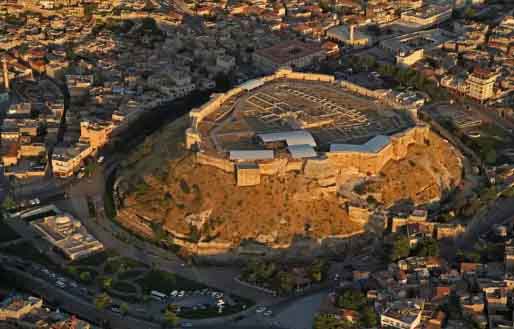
<point>286,164</point>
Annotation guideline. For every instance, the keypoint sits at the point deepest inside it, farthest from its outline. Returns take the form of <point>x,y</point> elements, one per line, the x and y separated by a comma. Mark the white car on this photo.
<point>34,202</point>
<point>268,313</point>
<point>260,309</point>
<point>174,293</point>
<point>101,159</point>
<point>181,293</point>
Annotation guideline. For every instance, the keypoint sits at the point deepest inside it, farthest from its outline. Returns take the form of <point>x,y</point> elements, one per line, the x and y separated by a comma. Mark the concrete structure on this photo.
<point>68,235</point>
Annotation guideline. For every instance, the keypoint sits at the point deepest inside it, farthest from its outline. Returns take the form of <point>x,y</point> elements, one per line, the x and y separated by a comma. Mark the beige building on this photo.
<point>402,315</point>
<point>67,160</point>
<point>98,133</point>
<point>13,308</point>
<point>427,16</point>
<point>68,235</point>
<point>481,84</point>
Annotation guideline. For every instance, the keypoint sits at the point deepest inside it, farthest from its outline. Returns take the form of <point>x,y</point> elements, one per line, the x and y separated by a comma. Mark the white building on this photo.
<point>68,235</point>
<point>402,315</point>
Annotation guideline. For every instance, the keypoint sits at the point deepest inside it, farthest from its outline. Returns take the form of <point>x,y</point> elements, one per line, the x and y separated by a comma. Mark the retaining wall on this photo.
<point>213,161</point>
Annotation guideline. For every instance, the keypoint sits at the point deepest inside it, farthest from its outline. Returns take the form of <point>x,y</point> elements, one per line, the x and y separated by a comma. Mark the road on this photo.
<point>73,304</point>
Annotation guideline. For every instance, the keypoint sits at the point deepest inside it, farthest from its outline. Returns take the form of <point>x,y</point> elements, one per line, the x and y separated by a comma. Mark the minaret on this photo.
<point>6,73</point>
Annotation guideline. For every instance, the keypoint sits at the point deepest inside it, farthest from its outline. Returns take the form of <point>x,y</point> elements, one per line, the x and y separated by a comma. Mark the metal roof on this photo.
<point>248,155</point>
<point>374,145</point>
<point>295,137</point>
<point>302,151</point>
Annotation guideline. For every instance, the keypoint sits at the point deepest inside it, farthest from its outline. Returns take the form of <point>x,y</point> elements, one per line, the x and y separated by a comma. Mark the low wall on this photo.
<point>378,94</point>
<point>220,163</point>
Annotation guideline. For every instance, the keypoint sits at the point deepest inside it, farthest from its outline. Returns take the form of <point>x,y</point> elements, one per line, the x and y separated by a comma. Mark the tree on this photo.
<point>490,157</point>
<point>8,203</point>
<point>367,317</point>
<point>400,248</point>
<point>102,301</point>
<point>427,247</point>
<point>107,283</point>
<point>85,277</point>
<point>351,299</point>
<point>72,270</point>
<point>317,270</point>
<point>285,282</point>
<point>124,308</point>
<point>170,316</point>
<point>325,321</point>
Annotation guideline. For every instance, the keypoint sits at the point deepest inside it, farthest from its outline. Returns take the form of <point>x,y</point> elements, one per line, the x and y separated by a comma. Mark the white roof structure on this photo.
<point>252,84</point>
<point>374,145</point>
<point>295,137</point>
<point>251,155</point>
<point>302,151</point>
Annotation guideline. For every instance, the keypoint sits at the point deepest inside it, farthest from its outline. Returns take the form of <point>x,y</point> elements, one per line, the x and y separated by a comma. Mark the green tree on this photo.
<point>351,299</point>
<point>317,270</point>
<point>171,317</point>
<point>124,308</point>
<point>325,321</point>
<point>8,203</point>
<point>367,317</point>
<point>72,270</point>
<point>427,247</point>
<point>102,301</point>
<point>285,282</point>
<point>107,283</point>
<point>85,277</point>
<point>400,248</point>
<point>490,156</point>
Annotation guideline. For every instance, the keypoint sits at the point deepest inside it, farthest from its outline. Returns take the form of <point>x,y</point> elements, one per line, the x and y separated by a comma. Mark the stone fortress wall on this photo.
<point>326,164</point>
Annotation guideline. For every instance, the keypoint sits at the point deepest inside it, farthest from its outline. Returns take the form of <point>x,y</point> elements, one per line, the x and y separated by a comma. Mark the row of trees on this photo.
<point>400,248</point>
<point>353,300</point>
<point>278,277</point>
<point>405,76</point>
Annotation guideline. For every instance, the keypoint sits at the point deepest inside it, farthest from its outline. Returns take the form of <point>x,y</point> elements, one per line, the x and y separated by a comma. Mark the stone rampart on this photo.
<point>378,94</point>
<point>372,163</point>
<point>213,161</point>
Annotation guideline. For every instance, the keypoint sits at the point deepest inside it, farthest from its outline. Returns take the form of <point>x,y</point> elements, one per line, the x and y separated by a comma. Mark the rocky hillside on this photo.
<point>161,184</point>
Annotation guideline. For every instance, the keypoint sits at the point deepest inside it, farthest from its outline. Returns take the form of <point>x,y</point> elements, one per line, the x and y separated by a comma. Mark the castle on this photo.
<point>294,149</point>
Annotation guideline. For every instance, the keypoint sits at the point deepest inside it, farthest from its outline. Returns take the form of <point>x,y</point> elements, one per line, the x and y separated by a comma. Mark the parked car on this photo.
<point>260,309</point>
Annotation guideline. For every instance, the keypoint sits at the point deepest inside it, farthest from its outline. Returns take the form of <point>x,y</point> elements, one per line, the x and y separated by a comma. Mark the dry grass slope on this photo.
<point>166,186</point>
